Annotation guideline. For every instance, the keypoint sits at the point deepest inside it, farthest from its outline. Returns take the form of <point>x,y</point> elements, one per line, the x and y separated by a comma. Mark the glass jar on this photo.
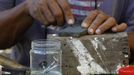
<point>45,57</point>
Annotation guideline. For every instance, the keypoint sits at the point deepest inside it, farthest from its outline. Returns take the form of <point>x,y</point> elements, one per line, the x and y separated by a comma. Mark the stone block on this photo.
<point>94,54</point>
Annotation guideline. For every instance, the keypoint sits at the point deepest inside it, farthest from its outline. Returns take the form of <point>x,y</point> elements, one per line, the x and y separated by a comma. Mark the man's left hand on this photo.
<point>98,22</point>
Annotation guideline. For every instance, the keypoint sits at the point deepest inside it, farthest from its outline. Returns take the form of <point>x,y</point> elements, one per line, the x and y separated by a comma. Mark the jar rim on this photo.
<point>39,40</point>
<point>46,43</point>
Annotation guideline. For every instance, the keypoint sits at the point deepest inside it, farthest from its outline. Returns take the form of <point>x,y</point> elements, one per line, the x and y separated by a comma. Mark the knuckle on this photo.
<point>51,20</point>
<point>93,13</point>
<point>92,16</point>
<point>112,19</point>
<point>58,14</point>
<point>66,7</point>
<point>96,11</point>
<point>101,16</point>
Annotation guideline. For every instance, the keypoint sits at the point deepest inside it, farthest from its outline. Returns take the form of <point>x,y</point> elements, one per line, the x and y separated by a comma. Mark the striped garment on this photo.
<point>82,7</point>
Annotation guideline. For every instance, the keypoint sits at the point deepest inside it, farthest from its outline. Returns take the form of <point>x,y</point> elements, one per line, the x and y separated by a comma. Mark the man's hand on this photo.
<point>98,22</point>
<point>50,11</point>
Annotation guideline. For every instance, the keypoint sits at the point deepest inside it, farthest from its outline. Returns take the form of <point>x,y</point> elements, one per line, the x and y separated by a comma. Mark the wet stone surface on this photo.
<point>108,51</point>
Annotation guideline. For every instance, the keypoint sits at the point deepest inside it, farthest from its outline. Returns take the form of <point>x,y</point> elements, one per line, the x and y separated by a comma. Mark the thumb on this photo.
<point>120,28</point>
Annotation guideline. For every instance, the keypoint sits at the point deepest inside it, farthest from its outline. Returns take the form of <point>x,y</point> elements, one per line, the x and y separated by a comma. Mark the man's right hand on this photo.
<point>49,12</point>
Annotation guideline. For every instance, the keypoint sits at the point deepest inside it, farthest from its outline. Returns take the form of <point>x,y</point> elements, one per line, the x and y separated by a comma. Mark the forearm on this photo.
<point>13,24</point>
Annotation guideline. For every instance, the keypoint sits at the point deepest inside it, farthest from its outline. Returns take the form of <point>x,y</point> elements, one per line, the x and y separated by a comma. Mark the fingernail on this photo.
<point>84,25</point>
<point>70,21</point>
<point>114,29</point>
<point>98,31</point>
<point>91,31</point>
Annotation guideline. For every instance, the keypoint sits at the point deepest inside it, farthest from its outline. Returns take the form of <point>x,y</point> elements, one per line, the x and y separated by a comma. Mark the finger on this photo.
<point>96,23</point>
<point>67,11</point>
<point>87,22</point>
<point>46,12</point>
<point>101,12</point>
<point>37,14</point>
<point>56,11</point>
<point>120,28</point>
<point>106,25</point>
